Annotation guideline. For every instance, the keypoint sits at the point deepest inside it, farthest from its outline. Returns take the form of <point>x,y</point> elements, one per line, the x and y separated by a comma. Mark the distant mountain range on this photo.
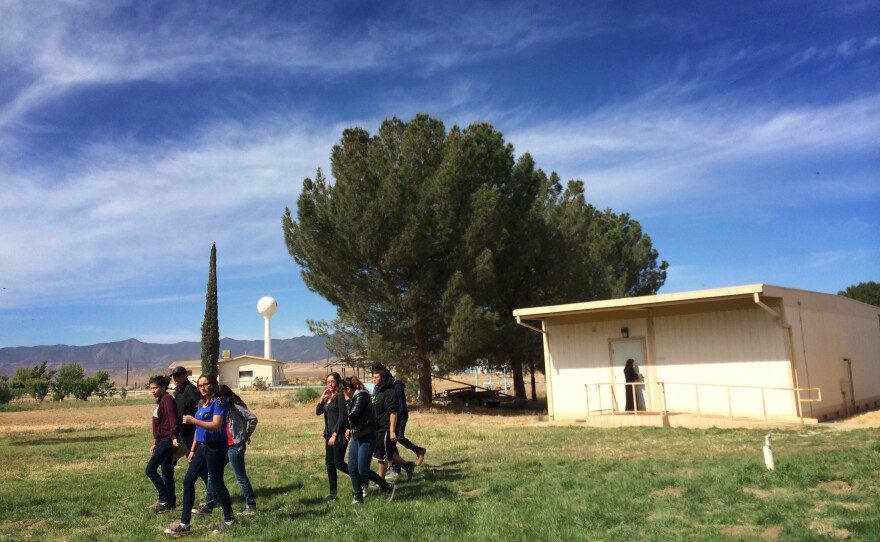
<point>145,358</point>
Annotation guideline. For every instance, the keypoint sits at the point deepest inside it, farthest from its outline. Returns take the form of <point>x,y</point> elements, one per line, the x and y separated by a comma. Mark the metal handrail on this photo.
<point>665,412</point>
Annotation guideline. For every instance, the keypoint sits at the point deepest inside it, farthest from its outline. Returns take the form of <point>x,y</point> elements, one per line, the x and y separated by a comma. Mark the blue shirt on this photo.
<point>206,414</point>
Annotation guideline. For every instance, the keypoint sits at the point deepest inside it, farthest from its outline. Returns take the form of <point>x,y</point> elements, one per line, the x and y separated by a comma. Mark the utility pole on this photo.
<point>126,373</point>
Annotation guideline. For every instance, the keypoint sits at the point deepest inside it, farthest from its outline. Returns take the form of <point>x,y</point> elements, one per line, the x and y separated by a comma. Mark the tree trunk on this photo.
<point>426,392</point>
<point>519,385</point>
<point>532,368</point>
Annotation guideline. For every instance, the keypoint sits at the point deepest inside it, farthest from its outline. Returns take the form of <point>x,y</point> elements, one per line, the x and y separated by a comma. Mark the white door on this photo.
<point>622,350</point>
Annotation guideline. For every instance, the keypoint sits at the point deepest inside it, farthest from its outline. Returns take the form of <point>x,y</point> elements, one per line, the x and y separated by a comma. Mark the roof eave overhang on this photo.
<point>639,304</point>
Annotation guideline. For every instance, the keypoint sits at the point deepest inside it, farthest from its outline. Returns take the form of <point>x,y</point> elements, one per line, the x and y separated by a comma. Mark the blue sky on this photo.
<point>744,136</point>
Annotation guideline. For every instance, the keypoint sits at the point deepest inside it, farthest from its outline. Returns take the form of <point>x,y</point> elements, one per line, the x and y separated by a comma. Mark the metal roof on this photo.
<point>647,302</point>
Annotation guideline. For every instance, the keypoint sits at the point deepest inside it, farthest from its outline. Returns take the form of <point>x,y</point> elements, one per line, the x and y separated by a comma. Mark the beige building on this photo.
<point>755,352</point>
<point>239,372</point>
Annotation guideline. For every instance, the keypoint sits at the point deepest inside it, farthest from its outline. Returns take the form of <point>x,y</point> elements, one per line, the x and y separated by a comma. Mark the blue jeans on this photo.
<point>360,455</point>
<point>164,484</point>
<point>209,459</point>
<point>235,457</point>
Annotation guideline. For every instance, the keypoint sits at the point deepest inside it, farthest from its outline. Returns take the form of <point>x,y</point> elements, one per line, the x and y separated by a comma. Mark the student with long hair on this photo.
<point>208,453</point>
<point>332,406</point>
<point>242,423</point>
<point>362,426</point>
<point>165,431</point>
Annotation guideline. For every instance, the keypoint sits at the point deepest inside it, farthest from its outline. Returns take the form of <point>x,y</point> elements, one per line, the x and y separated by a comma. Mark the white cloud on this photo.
<point>648,153</point>
<point>130,214</point>
<point>831,258</point>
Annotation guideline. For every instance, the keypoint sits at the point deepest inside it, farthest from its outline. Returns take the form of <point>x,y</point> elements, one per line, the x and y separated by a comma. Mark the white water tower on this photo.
<point>267,307</point>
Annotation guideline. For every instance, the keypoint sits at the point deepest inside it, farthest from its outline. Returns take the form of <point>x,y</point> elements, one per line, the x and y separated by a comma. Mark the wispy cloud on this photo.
<point>830,258</point>
<point>53,49</point>
<point>840,51</point>
<point>647,153</point>
<point>129,213</point>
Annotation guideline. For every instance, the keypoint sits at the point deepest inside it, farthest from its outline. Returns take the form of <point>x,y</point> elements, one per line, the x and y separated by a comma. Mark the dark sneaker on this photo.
<point>421,456</point>
<point>357,501</point>
<point>364,489</point>
<point>410,468</point>
<point>203,511</point>
<point>389,492</point>
<point>248,511</point>
<point>330,497</point>
<point>178,528</point>
<point>159,507</point>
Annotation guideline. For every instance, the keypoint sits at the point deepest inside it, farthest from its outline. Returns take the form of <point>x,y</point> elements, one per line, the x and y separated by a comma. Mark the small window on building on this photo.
<point>245,374</point>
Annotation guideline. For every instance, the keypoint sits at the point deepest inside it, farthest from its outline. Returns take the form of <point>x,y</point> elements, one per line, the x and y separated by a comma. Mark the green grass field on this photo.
<point>486,477</point>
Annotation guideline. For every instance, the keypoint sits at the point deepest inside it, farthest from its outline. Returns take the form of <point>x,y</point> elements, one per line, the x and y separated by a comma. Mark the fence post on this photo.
<point>764,404</point>
<point>729,404</point>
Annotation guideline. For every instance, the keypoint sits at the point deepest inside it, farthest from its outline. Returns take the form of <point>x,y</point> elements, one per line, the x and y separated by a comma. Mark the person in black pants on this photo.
<point>165,430</point>
<point>402,417</point>
<point>332,406</point>
<point>386,407</point>
<point>632,376</point>
<point>187,398</point>
<point>208,454</point>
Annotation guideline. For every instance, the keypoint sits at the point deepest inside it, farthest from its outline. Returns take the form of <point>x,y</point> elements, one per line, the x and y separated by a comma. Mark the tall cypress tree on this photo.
<point>210,325</point>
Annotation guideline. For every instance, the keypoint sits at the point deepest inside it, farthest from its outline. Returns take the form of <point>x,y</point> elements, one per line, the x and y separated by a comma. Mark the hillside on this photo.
<point>141,359</point>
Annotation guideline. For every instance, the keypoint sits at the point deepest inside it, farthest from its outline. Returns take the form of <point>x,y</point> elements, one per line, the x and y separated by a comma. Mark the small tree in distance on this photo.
<point>210,325</point>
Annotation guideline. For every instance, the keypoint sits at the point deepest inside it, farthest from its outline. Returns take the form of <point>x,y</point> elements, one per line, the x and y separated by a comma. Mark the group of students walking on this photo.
<point>370,426</point>
<point>211,425</point>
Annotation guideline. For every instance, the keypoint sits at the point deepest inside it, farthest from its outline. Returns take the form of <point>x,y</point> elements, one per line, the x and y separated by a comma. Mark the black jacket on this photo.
<point>335,416</point>
<point>361,418</point>
<point>386,404</point>
<point>187,399</point>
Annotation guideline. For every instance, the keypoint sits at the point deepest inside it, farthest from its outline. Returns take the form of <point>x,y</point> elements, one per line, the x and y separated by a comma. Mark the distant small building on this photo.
<point>239,372</point>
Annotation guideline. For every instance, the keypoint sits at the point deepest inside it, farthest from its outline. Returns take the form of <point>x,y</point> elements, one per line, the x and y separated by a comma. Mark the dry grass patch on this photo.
<point>836,487</point>
<point>825,527</point>
<point>23,524</point>
<point>473,493</point>
<point>765,494</point>
<point>771,533</point>
<point>669,492</point>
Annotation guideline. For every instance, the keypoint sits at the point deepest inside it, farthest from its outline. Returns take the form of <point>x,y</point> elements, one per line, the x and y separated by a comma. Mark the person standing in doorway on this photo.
<point>632,376</point>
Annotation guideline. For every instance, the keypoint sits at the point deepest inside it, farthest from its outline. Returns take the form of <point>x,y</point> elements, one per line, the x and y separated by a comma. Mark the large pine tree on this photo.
<point>211,325</point>
<point>426,241</point>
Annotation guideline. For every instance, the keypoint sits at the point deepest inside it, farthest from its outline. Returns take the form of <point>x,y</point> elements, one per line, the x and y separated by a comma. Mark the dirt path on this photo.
<point>138,416</point>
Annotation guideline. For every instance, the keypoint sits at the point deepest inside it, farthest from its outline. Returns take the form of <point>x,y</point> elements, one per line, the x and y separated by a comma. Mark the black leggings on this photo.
<point>209,458</point>
<point>334,458</point>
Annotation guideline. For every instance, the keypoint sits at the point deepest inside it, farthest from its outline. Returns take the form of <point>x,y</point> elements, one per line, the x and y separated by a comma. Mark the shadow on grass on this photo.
<point>267,492</point>
<point>68,440</point>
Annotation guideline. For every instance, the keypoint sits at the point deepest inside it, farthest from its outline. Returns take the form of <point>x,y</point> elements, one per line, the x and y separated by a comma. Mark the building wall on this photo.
<point>268,370</point>
<point>580,355</point>
<point>733,347</point>
<point>826,329</point>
